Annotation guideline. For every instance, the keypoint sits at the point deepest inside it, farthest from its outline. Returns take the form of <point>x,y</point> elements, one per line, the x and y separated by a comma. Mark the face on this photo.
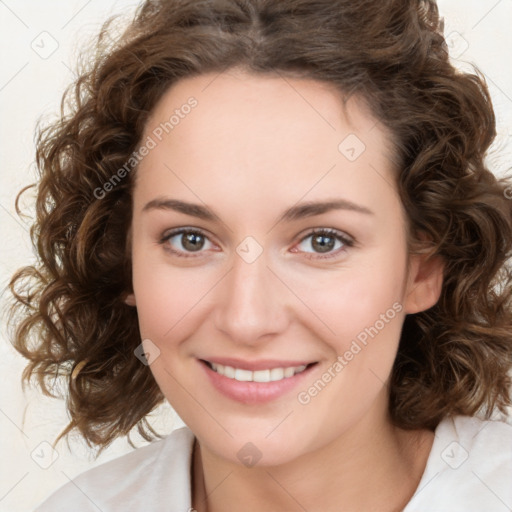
<point>270,262</point>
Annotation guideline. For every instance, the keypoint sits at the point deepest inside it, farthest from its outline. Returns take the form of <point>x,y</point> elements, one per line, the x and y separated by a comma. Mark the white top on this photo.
<point>469,469</point>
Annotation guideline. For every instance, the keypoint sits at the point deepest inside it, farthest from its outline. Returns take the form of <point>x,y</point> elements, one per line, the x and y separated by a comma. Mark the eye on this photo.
<point>325,243</point>
<point>185,240</point>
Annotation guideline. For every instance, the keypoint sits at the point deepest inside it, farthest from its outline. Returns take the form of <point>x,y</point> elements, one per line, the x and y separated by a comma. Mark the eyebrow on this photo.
<point>296,212</point>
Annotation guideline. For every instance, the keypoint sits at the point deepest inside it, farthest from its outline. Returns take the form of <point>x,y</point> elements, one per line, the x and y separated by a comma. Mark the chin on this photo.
<point>251,446</point>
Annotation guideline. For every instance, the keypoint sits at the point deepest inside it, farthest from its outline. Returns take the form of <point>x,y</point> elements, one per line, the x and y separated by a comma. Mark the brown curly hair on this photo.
<point>69,312</point>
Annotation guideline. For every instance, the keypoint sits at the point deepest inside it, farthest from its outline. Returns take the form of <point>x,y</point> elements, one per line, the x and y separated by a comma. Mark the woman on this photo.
<point>277,217</point>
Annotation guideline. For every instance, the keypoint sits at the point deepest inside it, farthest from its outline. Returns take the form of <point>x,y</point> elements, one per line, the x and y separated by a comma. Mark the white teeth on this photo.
<point>289,372</point>
<point>276,374</point>
<point>229,371</point>
<point>271,375</point>
<point>261,376</point>
<point>243,375</point>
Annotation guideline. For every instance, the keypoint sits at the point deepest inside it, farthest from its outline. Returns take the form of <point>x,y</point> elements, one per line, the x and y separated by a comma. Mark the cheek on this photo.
<point>155,303</point>
<point>356,302</point>
<point>364,315</point>
<point>363,311</point>
<point>166,297</point>
<point>370,309</point>
<point>168,304</point>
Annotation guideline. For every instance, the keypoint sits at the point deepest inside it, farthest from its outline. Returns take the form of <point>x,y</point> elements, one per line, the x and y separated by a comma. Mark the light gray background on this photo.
<point>31,86</point>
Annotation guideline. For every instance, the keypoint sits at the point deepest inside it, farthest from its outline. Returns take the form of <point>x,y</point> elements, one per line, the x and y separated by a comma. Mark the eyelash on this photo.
<point>346,241</point>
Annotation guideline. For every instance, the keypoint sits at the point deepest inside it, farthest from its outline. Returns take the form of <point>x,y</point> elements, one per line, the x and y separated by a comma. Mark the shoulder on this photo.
<point>469,468</point>
<point>155,477</point>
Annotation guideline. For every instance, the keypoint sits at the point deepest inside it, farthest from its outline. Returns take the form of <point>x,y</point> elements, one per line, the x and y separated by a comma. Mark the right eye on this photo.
<point>184,240</point>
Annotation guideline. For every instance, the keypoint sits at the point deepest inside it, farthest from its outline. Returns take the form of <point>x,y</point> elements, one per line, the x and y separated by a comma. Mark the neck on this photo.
<point>370,467</point>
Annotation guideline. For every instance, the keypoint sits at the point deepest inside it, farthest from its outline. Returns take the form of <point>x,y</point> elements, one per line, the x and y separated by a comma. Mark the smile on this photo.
<point>269,375</point>
<point>259,382</point>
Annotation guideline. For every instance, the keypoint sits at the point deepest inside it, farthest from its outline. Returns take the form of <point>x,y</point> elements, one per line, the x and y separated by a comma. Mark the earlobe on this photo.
<point>425,282</point>
<point>130,300</point>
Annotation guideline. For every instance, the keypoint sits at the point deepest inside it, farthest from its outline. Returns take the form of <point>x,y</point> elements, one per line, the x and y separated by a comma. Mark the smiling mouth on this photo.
<point>268,375</point>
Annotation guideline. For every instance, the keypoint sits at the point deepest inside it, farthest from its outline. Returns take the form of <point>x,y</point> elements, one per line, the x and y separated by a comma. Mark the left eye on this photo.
<point>324,241</point>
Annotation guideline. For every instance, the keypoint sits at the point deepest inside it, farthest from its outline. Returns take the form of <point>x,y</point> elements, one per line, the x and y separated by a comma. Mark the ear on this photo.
<point>130,299</point>
<point>425,282</point>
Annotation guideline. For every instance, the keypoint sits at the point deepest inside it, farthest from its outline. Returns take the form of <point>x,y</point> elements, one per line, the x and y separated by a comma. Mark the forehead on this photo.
<point>253,135</point>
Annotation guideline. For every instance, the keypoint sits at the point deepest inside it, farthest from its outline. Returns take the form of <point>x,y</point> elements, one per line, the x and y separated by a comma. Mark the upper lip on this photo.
<point>263,364</point>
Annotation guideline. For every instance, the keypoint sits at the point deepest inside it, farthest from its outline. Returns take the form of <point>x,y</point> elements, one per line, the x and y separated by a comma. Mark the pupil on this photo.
<point>193,241</point>
<point>320,243</point>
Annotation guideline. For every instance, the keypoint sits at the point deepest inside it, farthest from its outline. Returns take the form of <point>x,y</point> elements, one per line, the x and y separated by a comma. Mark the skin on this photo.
<point>254,146</point>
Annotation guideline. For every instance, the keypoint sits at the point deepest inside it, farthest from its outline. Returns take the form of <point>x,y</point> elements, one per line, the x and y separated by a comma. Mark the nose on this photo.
<point>253,304</point>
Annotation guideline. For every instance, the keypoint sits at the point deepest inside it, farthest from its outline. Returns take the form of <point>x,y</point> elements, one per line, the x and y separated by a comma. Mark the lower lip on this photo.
<point>254,392</point>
